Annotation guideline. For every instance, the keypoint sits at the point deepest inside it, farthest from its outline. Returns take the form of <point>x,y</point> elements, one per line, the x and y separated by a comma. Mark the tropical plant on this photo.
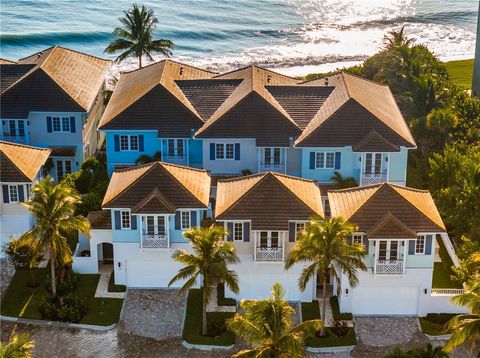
<point>135,37</point>
<point>466,327</point>
<point>207,264</point>
<point>267,325</point>
<point>324,246</point>
<point>343,183</point>
<point>145,158</point>
<point>19,346</point>
<point>398,39</point>
<point>52,207</point>
<point>427,352</point>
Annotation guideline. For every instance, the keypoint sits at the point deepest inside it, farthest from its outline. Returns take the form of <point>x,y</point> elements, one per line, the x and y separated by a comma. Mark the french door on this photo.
<point>373,163</point>
<point>155,225</point>
<point>269,239</point>
<point>388,250</point>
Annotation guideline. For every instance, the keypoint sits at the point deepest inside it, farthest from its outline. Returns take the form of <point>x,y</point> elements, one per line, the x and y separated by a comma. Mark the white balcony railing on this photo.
<point>176,159</point>
<point>273,167</point>
<point>389,266</point>
<point>155,241</point>
<point>446,291</point>
<point>269,254</point>
<point>373,178</point>
<point>20,139</point>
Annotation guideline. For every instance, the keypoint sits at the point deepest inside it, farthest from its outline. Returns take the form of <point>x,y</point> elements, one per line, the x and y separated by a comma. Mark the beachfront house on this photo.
<point>54,99</point>
<point>20,167</point>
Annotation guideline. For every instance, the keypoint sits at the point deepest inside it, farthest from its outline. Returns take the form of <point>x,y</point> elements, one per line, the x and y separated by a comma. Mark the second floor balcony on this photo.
<point>272,167</point>
<point>155,241</point>
<point>373,178</point>
<point>175,159</point>
<point>389,266</point>
<point>269,246</point>
<point>154,232</point>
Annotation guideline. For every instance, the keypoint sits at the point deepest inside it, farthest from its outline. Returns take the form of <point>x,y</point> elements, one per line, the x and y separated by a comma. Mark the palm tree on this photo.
<point>135,37</point>
<point>52,207</point>
<point>343,183</point>
<point>208,263</point>
<point>466,327</point>
<point>19,346</point>
<point>267,325</point>
<point>145,158</point>
<point>324,246</point>
<point>398,39</point>
<point>430,352</point>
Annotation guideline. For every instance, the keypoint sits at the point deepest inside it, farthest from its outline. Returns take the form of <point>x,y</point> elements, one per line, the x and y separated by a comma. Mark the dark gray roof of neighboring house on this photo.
<point>63,151</point>
<point>101,219</point>
<point>11,73</point>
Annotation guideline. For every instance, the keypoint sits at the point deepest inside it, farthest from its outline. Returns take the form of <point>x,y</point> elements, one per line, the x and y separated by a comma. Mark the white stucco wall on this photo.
<point>90,264</point>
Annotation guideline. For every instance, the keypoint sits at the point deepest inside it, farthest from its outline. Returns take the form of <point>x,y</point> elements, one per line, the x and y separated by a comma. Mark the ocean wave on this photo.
<point>54,37</point>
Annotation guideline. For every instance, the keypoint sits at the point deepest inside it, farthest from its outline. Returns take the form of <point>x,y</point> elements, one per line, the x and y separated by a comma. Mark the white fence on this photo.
<point>446,291</point>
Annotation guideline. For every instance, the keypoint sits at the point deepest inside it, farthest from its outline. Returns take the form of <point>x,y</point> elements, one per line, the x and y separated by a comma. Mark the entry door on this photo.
<point>155,225</point>
<point>16,128</point>
<point>373,163</point>
<point>272,156</point>
<point>269,239</point>
<point>388,250</point>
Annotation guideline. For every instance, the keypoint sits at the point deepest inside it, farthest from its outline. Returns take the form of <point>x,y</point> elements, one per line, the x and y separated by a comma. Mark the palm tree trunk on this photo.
<point>324,302</point>
<point>139,61</point>
<point>52,273</point>
<point>204,310</point>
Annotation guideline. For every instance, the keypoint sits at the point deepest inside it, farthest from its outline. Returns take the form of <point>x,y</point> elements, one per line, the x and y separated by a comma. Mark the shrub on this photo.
<point>20,255</point>
<point>440,318</point>
<point>65,284</point>
<point>66,309</point>
<point>340,328</point>
<point>336,310</point>
<point>207,222</point>
<point>90,164</point>
<point>99,175</point>
<point>216,328</point>
<point>90,202</point>
<point>246,172</point>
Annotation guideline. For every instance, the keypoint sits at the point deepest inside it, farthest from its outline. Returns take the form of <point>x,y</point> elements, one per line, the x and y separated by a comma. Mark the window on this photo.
<point>65,124</point>
<point>324,160</point>
<point>61,124</point>
<point>56,124</point>
<point>357,239</point>
<point>64,167</point>
<point>229,150</point>
<point>13,191</point>
<point>219,148</point>
<point>237,231</point>
<point>125,219</point>
<point>175,147</point>
<point>185,220</point>
<point>155,225</point>
<point>299,228</point>
<point>271,156</point>
<point>13,128</point>
<point>269,239</point>
<point>224,151</point>
<point>373,163</point>
<point>129,142</point>
<point>29,190</point>
<point>420,245</point>
<point>171,147</point>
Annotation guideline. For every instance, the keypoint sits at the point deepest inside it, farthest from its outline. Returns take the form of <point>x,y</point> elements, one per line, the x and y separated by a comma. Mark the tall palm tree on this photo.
<point>208,264</point>
<point>398,39</point>
<point>267,325</point>
<point>325,247</point>
<point>145,158</point>
<point>53,207</point>
<point>466,327</point>
<point>19,346</point>
<point>135,37</point>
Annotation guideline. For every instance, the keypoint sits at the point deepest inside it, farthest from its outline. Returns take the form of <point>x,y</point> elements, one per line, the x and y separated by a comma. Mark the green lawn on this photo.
<point>442,271</point>
<point>115,288</point>
<point>311,310</point>
<point>461,72</point>
<point>336,310</point>
<point>23,301</point>
<point>193,323</point>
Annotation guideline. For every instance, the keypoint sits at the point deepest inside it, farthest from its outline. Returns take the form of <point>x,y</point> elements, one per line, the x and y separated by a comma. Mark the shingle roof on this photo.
<point>20,163</point>
<point>4,61</point>
<point>269,200</point>
<point>378,209</point>
<point>180,187</point>
<point>158,80</point>
<point>360,104</point>
<point>11,73</point>
<point>63,150</point>
<point>101,219</point>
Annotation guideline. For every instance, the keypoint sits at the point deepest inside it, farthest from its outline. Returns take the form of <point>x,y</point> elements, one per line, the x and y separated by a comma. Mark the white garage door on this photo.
<point>374,300</point>
<point>151,274</point>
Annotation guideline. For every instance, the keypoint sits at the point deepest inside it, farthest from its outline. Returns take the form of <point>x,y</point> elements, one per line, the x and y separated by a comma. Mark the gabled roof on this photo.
<point>177,187</point>
<point>387,209</point>
<point>101,219</point>
<point>158,79</point>
<point>360,104</point>
<point>155,202</point>
<point>269,200</point>
<point>20,163</point>
<point>78,75</point>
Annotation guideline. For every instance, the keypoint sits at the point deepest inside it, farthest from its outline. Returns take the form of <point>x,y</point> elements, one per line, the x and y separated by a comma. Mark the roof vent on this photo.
<point>181,71</point>
<point>39,54</point>
<point>326,81</point>
<point>269,78</point>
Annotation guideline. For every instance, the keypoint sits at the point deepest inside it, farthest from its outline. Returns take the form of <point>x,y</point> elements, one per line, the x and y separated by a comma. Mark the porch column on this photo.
<point>142,229</point>
<point>167,229</point>
<point>283,246</point>
<point>375,257</point>
<point>406,243</point>
<point>254,245</point>
<point>285,165</point>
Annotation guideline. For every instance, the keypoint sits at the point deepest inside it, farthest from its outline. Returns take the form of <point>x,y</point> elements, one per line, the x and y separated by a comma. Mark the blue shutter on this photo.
<point>428,245</point>
<point>72,124</point>
<point>291,232</point>
<point>49,124</point>
<point>312,160</point>
<point>230,231</point>
<point>116,140</point>
<point>365,243</point>
<point>246,231</point>
<point>117,220</point>
<point>6,194</point>
<point>21,195</point>
<point>140,143</point>
<point>411,247</point>
<point>237,151</point>
<point>212,151</point>
<point>177,220</point>
<point>133,220</point>
<point>338,158</point>
<point>193,218</point>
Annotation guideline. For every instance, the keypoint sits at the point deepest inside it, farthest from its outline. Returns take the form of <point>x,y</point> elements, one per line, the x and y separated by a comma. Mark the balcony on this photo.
<point>176,159</point>
<point>20,139</point>
<point>389,266</point>
<point>269,254</point>
<point>272,167</point>
<point>373,178</point>
<point>155,241</point>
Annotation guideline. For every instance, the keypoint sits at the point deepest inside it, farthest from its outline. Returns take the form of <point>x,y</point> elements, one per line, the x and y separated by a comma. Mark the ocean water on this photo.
<point>294,36</point>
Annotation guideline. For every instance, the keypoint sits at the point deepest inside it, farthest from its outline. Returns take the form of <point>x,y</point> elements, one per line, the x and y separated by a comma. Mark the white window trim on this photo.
<point>324,160</point>
<point>175,147</point>
<point>224,151</point>
<point>241,233</point>
<point>62,129</point>
<point>189,220</point>
<point>129,220</point>
<point>357,235</point>
<point>129,142</point>
<point>424,236</point>
<point>10,194</point>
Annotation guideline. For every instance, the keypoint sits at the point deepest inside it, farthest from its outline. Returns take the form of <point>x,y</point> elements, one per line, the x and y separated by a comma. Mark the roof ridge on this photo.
<point>183,167</point>
<point>252,66</point>
<point>242,177</point>
<point>22,145</point>
<point>133,167</point>
<point>36,53</point>
<point>383,220</point>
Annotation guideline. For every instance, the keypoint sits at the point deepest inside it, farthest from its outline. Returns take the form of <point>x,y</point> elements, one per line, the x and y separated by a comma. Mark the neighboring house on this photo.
<point>145,211</point>
<point>149,113</point>
<point>400,228</point>
<point>20,168</point>
<point>54,98</point>
<point>263,214</point>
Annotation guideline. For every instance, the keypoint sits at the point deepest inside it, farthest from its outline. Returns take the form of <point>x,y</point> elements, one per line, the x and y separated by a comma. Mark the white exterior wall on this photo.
<point>90,264</point>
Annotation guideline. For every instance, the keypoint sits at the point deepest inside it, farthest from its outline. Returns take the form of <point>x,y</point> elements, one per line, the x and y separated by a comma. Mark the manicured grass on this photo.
<point>434,324</point>
<point>115,288</point>
<point>192,328</point>
<point>461,72</point>
<point>221,299</point>
<point>310,310</point>
<point>336,310</point>
<point>442,271</point>
<point>23,301</point>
